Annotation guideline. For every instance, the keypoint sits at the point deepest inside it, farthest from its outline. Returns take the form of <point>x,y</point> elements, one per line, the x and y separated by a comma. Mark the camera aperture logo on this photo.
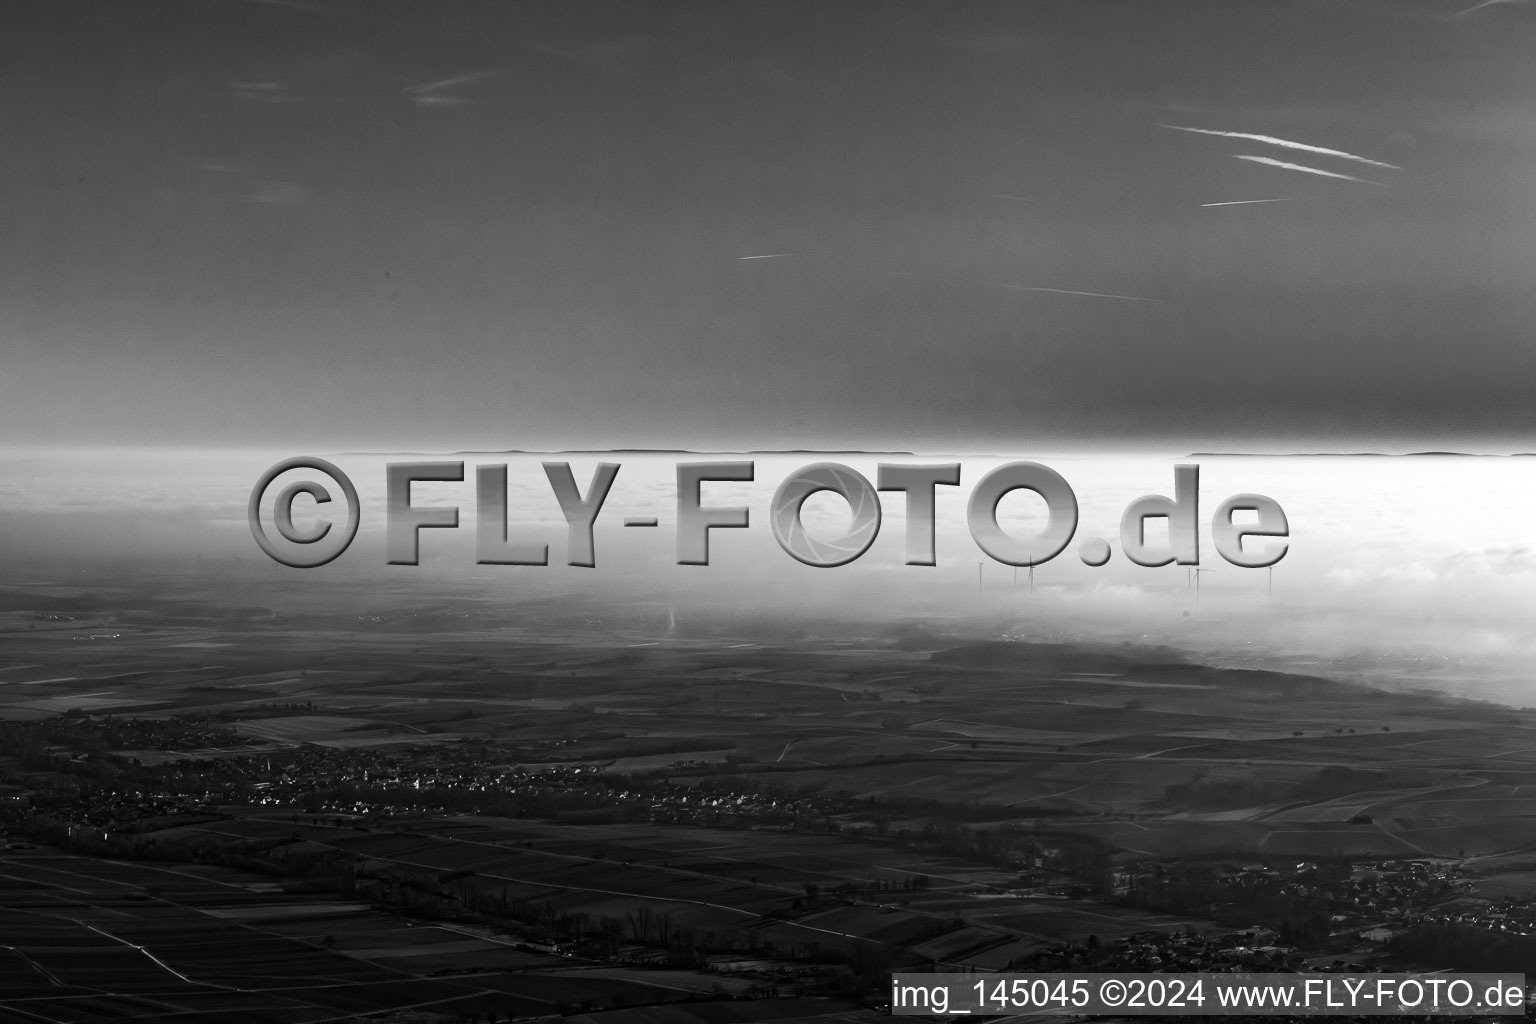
<point>322,543</point>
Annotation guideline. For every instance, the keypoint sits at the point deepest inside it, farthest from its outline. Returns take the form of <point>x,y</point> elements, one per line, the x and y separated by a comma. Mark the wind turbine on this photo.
<point>1197,572</point>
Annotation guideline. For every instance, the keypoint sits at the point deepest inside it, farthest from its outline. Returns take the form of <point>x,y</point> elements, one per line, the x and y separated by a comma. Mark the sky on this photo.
<point>365,224</point>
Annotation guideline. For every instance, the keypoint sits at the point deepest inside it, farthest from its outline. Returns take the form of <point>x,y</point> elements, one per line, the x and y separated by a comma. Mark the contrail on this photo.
<point>1285,143</point>
<point>1478,7</point>
<point>448,83</point>
<point>769,256</point>
<point>1250,202</point>
<point>436,94</point>
<point>1092,295</point>
<point>1017,199</point>
<point>1272,162</point>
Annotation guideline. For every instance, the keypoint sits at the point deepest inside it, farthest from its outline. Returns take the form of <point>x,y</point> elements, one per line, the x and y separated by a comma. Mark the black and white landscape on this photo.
<point>1288,242</point>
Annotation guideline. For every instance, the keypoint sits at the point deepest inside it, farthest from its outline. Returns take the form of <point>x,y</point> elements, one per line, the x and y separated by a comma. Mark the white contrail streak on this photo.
<point>1478,7</point>
<point>1284,143</point>
<point>1272,162</point>
<point>1092,295</point>
<point>1017,199</point>
<point>1250,202</point>
<point>768,256</point>
<point>449,83</point>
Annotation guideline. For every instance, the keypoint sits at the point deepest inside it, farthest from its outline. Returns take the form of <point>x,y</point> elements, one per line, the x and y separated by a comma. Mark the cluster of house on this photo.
<point>1253,949</point>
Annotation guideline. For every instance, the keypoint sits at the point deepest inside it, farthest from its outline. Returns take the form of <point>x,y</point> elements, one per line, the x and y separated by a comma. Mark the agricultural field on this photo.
<point>692,877</point>
<point>1090,735</point>
<point>84,935</point>
<point>778,796</point>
